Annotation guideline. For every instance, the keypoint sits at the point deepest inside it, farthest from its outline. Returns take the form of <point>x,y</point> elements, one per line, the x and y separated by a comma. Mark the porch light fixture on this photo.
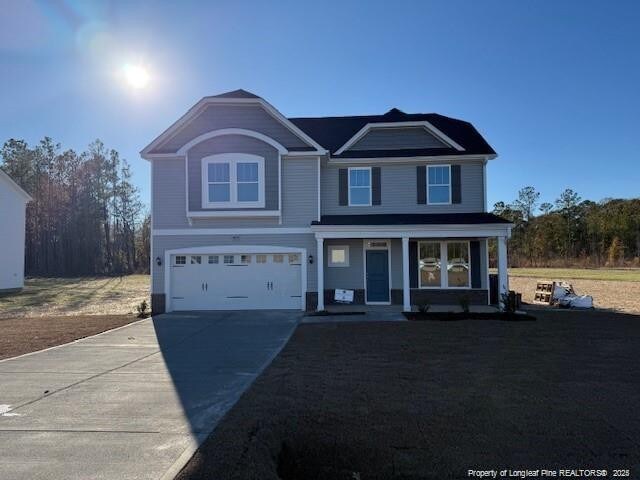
<point>158,261</point>
<point>310,259</point>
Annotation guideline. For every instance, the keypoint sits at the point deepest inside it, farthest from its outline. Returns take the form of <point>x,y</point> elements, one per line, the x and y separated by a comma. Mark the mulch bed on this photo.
<point>457,316</point>
<point>23,335</point>
<point>418,400</point>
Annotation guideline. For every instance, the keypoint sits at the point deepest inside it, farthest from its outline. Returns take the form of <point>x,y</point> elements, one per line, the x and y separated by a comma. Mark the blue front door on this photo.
<point>377,276</point>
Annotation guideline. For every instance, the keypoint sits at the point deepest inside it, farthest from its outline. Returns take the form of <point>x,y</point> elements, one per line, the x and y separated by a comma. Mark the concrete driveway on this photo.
<point>133,402</point>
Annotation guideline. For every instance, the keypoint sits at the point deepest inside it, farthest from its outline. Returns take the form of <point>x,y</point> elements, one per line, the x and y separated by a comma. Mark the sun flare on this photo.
<point>136,76</point>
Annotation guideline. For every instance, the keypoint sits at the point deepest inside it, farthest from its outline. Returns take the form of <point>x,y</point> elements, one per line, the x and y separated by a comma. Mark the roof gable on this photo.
<point>391,138</point>
<point>232,110</point>
<point>5,179</point>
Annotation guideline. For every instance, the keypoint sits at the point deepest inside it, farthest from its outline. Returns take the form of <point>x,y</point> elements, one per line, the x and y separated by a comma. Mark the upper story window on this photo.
<point>233,180</point>
<point>360,186</point>
<point>438,184</point>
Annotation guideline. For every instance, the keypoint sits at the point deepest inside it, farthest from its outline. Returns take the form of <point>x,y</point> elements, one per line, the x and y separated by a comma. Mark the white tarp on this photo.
<point>563,294</point>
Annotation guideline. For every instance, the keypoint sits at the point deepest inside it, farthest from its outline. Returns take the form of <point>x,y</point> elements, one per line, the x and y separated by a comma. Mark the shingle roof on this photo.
<point>333,132</point>
<point>477,218</point>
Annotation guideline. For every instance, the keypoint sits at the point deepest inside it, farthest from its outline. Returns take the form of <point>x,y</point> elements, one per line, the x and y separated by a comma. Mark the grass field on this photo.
<point>76,296</point>
<point>613,274</point>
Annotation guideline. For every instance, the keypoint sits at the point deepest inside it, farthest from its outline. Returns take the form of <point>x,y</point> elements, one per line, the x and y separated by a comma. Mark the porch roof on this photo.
<point>475,218</point>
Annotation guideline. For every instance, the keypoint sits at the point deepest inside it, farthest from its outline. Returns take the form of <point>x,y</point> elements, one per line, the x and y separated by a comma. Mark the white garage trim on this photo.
<point>222,249</point>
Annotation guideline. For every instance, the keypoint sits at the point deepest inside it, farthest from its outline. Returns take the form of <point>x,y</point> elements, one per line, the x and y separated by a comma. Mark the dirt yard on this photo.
<point>44,297</point>
<point>23,335</point>
<point>430,400</point>
<point>623,296</point>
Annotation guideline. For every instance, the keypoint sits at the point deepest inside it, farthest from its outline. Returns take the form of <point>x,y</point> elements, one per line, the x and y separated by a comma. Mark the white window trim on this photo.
<point>444,261</point>
<point>429,202</point>
<point>330,248</point>
<point>232,159</point>
<point>370,187</point>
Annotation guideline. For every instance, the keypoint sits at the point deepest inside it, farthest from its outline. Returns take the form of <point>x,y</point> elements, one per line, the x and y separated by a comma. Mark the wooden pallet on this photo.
<point>544,292</point>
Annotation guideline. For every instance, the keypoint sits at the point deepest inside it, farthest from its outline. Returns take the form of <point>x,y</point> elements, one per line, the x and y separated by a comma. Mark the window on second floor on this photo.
<point>438,184</point>
<point>233,180</point>
<point>360,186</point>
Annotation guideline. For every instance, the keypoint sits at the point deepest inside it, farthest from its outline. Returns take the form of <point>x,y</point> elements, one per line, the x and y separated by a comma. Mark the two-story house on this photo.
<point>253,210</point>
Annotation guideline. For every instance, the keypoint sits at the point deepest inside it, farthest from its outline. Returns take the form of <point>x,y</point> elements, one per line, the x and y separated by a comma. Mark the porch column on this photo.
<point>320,269</point>
<point>406,288</point>
<point>503,278</point>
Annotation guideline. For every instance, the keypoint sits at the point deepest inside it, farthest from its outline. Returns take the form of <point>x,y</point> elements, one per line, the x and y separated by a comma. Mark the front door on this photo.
<point>377,276</point>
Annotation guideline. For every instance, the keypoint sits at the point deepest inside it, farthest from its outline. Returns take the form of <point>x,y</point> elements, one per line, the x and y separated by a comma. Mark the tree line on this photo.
<point>86,217</point>
<point>572,232</point>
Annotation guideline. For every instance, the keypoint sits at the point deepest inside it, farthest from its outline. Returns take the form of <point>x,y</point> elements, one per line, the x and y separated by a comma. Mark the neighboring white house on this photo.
<point>13,206</point>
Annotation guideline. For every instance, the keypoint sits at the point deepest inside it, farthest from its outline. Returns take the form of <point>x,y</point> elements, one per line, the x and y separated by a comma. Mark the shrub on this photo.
<point>424,307</point>
<point>143,309</point>
<point>464,301</point>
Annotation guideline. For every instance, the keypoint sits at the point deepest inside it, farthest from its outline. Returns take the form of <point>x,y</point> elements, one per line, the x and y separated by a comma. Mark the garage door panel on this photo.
<point>244,281</point>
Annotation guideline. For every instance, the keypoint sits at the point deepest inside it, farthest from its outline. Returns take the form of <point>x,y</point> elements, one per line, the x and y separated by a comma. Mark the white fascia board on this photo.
<point>399,231</point>
<point>418,159</point>
<point>310,154</point>
<point>206,101</point>
<point>234,213</point>
<point>14,186</point>
<point>230,231</point>
<point>427,125</point>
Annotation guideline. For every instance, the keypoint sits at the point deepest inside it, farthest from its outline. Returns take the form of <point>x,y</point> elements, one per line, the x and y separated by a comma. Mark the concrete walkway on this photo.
<point>134,402</point>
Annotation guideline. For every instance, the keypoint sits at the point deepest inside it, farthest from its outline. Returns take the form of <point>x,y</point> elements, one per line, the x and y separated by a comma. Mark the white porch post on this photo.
<point>406,291</point>
<point>320,269</point>
<point>503,278</point>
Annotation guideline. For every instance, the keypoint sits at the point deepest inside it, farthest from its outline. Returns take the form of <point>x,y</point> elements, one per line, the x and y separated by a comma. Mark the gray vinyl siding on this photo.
<point>168,193</point>
<point>299,192</point>
<point>233,144</point>
<point>352,277</point>
<point>397,139</point>
<point>398,191</point>
<point>161,243</point>
<point>299,197</point>
<point>216,117</point>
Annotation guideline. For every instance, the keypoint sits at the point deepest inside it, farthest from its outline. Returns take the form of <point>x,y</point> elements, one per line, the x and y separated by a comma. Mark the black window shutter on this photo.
<point>476,281</point>
<point>421,182</point>
<point>413,264</point>
<point>343,186</point>
<point>375,186</point>
<point>456,187</point>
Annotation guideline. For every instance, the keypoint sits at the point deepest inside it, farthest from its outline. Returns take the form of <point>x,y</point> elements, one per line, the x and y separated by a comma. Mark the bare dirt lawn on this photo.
<point>76,296</point>
<point>423,400</point>
<point>23,335</point>
<point>623,296</point>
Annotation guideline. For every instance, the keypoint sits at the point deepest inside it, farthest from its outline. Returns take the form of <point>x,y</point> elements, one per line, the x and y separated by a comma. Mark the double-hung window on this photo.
<point>233,180</point>
<point>360,186</point>
<point>438,184</point>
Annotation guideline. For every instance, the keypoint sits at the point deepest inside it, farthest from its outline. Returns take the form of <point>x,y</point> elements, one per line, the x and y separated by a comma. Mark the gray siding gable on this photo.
<point>397,138</point>
<point>217,117</point>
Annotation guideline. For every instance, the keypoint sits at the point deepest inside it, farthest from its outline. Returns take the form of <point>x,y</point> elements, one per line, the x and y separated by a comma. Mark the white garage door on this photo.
<point>242,281</point>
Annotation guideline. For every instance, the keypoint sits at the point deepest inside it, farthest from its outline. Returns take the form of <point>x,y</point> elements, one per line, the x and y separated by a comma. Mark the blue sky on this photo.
<point>553,85</point>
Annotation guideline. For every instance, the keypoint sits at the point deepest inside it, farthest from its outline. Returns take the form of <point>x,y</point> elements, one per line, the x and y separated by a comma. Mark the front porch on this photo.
<point>440,265</point>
